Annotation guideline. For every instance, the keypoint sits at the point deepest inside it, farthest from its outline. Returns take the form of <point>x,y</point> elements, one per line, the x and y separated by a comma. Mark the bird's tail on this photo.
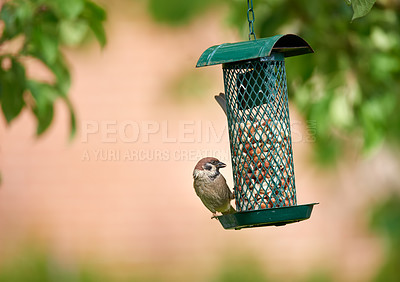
<point>221,101</point>
<point>230,211</point>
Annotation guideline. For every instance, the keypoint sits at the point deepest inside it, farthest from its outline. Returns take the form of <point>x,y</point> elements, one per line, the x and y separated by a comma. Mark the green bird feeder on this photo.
<point>259,129</point>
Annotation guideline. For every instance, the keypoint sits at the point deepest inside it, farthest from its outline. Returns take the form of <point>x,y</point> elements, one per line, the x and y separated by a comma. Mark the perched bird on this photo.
<point>211,186</point>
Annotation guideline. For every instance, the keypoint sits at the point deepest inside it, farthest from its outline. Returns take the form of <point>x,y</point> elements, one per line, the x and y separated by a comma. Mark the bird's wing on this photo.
<point>223,190</point>
<point>227,195</point>
<point>197,187</point>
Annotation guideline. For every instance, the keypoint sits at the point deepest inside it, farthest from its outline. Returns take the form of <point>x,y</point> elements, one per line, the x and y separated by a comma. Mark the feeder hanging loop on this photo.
<point>251,18</point>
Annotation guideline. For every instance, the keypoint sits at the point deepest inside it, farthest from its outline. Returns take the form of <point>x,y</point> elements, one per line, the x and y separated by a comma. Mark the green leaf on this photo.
<point>45,44</point>
<point>49,47</point>
<point>361,7</point>
<point>95,11</point>
<point>44,117</point>
<point>72,120</point>
<point>95,15</point>
<point>12,89</point>
<point>63,77</point>
<point>60,71</point>
<point>8,16</point>
<point>56,64</point>
<point>99,32</point>
<point>68,9</point>
<point>16,15</point>
<point>42,93</point>
<point>24,12</point>
<point>73,32</point>
<point>44,96</point>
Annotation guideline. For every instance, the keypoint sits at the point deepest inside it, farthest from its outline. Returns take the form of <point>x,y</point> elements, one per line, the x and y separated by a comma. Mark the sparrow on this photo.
<point>210,185</point>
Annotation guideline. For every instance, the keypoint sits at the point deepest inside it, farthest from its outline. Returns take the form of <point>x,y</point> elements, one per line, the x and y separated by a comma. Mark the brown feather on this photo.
<point>203,161</point>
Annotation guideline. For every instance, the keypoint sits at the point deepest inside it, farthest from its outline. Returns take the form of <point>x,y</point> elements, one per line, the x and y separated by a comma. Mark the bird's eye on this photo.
<point>207,167</point>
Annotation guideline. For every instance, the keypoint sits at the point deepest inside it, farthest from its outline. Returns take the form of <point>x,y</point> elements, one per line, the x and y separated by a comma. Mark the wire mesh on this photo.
<point>259,132</point>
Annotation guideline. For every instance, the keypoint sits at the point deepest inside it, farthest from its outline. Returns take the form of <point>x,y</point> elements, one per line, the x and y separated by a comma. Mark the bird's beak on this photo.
<point>221,165</point>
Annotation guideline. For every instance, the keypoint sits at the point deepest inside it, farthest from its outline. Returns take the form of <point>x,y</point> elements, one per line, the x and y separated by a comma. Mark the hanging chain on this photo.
<point>251,18</point>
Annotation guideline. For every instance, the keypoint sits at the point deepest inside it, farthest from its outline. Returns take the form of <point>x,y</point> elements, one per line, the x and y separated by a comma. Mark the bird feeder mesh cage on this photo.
<point>259,132</point>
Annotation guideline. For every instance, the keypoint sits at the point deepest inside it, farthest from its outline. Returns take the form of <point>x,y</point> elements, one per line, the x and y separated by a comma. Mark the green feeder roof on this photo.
<point>289,45</point>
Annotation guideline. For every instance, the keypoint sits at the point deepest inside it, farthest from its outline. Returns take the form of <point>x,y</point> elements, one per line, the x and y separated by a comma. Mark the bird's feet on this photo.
<point>214,215</point>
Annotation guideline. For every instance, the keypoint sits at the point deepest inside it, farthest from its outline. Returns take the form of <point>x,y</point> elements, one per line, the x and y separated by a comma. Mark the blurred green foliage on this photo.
<point>319,275</point>
<point>385,220</point>
<point>240,267</point>
<point>176,11</point>
<point>43,27</point>
<point>350,86</point>
<point>35,265</point>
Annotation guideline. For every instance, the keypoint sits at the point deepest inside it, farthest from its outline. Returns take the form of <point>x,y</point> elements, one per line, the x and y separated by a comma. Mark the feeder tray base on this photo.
<point>266,217</point>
